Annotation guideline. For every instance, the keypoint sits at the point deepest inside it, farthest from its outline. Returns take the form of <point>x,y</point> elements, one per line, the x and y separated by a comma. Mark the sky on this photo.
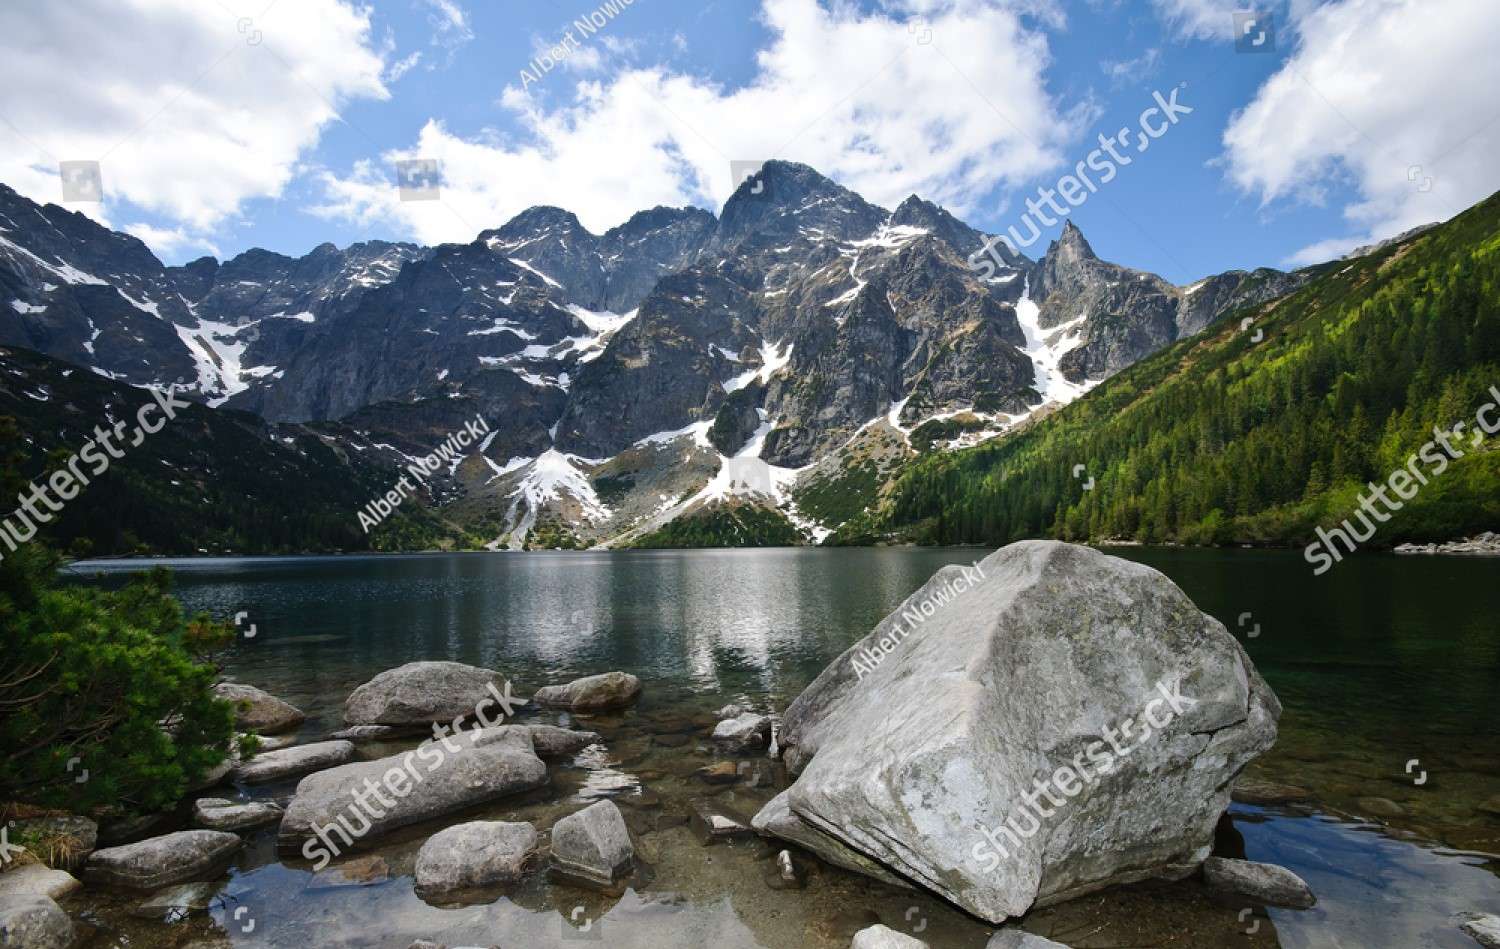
<point>1302,129</point>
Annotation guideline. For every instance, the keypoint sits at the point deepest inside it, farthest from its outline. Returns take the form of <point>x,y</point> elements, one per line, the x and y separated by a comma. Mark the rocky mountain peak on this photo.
<point>787,199</point>
<point>1070,246</point>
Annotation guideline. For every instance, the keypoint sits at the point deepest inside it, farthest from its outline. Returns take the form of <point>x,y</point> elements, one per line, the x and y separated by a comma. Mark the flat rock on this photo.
<point>744,733</point>
<point>436,781</point>
<point>592,693</point>
<point>712,822</point>
<point>1020,939</point>
<point>476,854</point>
<point>35,879</point>
<point>369,870</point>
<point>1267,793</point>
<point>420,693</point>
<point>1482,928</point>
<point>256,710</point>
<point>367,733</point>
<point>723,772</point>
<point>883,937</point>
<point>1264,882</point>
<point>593,845</point>
<point>220,814</point>
<point>33,922</point>
<point>275,742</point>
<point>551,741</point>
<point>176,903</point>
<point>291,763</point>
<point>920,760</point>
<point>183,857</point>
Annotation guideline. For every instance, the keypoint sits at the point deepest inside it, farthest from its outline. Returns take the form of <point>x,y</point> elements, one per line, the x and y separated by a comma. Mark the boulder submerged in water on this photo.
<point>473,855</point>
<point>183,857</point>
<point>420,693</point>
<point>598,693</point>
<point>256,710</point>
<point>1047,669</point>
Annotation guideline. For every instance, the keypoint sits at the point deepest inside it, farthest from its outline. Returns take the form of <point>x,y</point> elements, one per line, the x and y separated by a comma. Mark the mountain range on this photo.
<point>759,376</point>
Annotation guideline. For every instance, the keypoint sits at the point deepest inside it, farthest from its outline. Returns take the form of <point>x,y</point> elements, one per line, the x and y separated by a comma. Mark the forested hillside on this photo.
<point>1258,433</point>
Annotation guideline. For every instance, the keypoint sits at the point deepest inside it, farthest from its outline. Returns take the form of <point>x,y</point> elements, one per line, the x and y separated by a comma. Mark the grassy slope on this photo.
<point>1222,438</point>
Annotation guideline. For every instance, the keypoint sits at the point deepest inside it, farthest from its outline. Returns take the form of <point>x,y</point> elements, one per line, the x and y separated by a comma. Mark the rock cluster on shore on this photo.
<point>1486,544</point>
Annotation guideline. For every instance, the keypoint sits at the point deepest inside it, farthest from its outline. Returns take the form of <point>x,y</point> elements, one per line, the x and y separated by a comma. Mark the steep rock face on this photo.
<point>785,201</point>
<point>1047,668</point>
<point>1212,297</point>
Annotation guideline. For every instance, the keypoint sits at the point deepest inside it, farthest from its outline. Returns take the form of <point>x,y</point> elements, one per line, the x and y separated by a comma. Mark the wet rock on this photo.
<point>216,813</point>
<point>476,854</point>
<point>258,711</point>
<point>1380,807</point>
<point>777,820</point>
<point>917,759</point>
<point>1263,882</point>
<point>786,872</point>
<point>183,857</point>
<point>1482,928</point>
<point>68,839</point>
<point>420,693</point>
<point>34,879</point>
<point>748,732</point>
<point>883,937</point>
<point>274,742</point>
<point>1268,793</point>
<point>730,711</point>
<point>712,822</point>
<point>422,784</point>
<point>367,733</point>
<point>34,922</point>
<point>1019,939</point>
<point>291,763</point>
<point>724,772</point>
<point>592,694</point>
<point>551,741</point>
<point>176,903</point>
<point>593,845</point>
<point>360,871</point>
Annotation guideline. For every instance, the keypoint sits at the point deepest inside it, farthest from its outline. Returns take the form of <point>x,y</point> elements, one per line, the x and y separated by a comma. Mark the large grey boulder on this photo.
<point>435,779</point>
<point>476,854</point>
<point>217,813</point>
<point>1048,669</point>
<point>597,693</point>
<point>256,710</point>
<point>883,937</point>
<point>593,844</point>
<point>1263,882</point>
<point>422,692</point>
<point>34,922</point>
<point>294,762</point>
<point>35,879</point>
<point>183,857</point>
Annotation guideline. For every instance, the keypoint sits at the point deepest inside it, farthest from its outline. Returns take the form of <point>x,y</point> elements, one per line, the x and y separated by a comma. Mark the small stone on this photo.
<point>183,857</point>
<point>361,871</point>
<point>550,741</point>
<point>883,937</point>
<point>35,879</point>
<point>1268,793</point>
<point>711,823</point>
<point>256,710</point>
<point>295,762</point>
<point>745,733</point>
<point>725,772</point>
<point>176,903</point>
<point>593,845</point>
<point>1482,928</point>
<point>1264,882</point>
<point>476,854</point>
<point>1381,807</point>
<point>1020,939</point>
<point>220,814</point>
<point>786,872</point>
<point>34,922</point>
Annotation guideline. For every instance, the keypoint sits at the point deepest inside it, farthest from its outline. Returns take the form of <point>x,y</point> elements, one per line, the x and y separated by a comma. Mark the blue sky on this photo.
<point>223,126</point>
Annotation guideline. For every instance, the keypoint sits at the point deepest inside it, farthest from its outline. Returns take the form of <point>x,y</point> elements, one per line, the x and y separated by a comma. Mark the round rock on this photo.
<point>419,693</point>
<point>592,693</point>
<point>256,710</point>
<point>476,854</point>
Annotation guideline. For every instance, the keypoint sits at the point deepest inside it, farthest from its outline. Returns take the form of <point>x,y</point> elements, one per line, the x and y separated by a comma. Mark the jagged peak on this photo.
<point>1071,245</point>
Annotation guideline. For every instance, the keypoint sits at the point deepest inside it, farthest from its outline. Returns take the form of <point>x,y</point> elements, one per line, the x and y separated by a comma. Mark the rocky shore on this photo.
<point>1486,544</point>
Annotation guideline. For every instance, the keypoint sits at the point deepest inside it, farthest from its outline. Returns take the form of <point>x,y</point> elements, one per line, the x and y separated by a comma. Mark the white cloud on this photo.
<point>857,96</point>
<point>401,67</point>
<point>450,26</point>
<point>1371,99</point>
<point>187,114</point>
<point>167,241</point>
<point>1125,71</point>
